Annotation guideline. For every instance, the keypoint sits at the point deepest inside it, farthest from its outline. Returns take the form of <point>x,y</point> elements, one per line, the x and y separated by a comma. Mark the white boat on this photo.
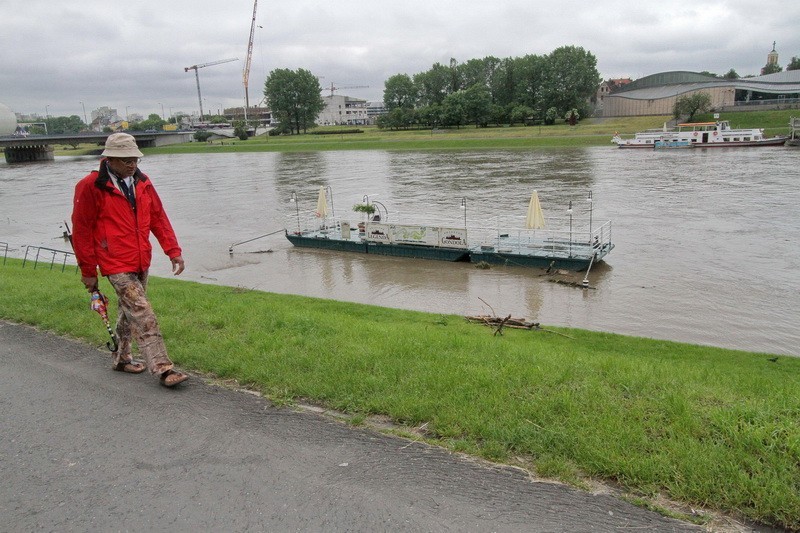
<point>700,135</point>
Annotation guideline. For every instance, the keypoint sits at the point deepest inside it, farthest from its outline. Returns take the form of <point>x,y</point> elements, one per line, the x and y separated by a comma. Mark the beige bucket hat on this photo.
<point>121,145</point>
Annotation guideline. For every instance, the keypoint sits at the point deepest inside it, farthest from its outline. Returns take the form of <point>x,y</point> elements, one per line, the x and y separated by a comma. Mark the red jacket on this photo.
<point>108,233</point>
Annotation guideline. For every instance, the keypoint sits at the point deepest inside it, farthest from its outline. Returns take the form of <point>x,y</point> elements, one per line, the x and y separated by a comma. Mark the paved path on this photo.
<point>83,448</point>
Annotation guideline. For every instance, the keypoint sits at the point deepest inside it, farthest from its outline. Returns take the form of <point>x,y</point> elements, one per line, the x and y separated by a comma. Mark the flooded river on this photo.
<point>706,240</point>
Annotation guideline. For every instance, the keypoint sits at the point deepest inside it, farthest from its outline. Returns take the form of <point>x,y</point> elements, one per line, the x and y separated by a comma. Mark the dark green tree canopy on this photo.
<point>480,91</point>
<point>70,124</point>
<point>399,91</point>
<point>153,122</point>
<point>691,105</point>
<point>294,97</point>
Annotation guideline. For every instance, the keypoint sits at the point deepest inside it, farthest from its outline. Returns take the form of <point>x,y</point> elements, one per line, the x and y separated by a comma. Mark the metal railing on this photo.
<point>578,241</point>
<point>62,255</point>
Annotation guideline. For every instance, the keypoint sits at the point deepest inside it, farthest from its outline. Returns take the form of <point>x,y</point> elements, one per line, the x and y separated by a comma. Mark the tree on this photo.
<point>521,113</point>
<point>794,64</point>
<point>692,104</point>
<point>397,118</point>
<point>70,124</point>
<point>565,79</point>
<point>430,115</point>
<point>771,68</point>
<point>550,116</point>
<point>502,83</point>
<point>453,109</point>
<point>477,72</point>
<point>432,86</point>
<point>571,78</point>
<point>153,122</point>
<point>294,97</point>
<point>572,116</point>
<point>399,91</point>
<point>477,105</point>
<point>240,130</point>
<point>731,75</point>
<point>529,79</point>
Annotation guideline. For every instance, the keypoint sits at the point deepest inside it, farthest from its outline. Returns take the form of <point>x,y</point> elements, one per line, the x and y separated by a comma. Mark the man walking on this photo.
<point>114,211</point>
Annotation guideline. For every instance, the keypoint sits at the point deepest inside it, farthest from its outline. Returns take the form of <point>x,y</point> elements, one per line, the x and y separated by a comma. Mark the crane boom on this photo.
<point>246,72</point>
<point>332,88</point>
<point>197,77</point>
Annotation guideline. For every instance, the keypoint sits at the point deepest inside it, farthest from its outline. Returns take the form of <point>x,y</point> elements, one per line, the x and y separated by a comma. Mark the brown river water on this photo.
<point>707,241</point>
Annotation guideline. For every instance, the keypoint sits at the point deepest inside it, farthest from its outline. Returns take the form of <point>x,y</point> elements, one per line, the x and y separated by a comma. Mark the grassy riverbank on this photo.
<point>705,427</point>
<point>589,132</point>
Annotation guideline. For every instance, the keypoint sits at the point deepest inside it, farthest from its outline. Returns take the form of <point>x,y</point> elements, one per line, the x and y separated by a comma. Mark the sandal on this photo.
<point>131,367</point>
<point>170,378</point>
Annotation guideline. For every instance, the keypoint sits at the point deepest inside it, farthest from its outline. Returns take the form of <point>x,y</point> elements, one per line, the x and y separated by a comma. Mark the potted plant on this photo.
<point>368,210</point>
<point>364,208</point>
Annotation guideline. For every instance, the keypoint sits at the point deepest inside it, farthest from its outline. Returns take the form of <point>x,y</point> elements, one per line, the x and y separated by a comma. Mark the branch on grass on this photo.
<point>499,329</point>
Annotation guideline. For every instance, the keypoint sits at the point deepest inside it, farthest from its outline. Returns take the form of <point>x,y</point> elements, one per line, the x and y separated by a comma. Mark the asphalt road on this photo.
<point>83,448</point>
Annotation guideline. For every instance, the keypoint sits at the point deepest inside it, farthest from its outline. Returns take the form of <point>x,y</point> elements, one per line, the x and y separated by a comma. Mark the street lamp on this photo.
<point>293,198</point>
<point>47,111</point>
<point>590,216</point>
<point>333,211</point>
<point>464,207</point>
<point>569,210</point>
<point>127,116</point>
<point>162,111</point>
<point>84,114</point>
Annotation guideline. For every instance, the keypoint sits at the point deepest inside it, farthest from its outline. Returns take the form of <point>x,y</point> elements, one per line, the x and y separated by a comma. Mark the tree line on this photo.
<point>477,92</point>
<point>487,91</point>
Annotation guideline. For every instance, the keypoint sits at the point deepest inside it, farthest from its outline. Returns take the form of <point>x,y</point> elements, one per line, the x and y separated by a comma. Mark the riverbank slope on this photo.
<point>589,132</point>
<point>701,426</point>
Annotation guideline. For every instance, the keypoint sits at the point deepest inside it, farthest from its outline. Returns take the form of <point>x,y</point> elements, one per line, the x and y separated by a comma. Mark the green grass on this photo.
<point>590,132</point>
<point>703,426</point>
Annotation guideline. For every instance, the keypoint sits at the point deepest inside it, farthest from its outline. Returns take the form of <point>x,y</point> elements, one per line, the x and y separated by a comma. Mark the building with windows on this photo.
<point>374,110</point>
<point>343,110</point>
<point>656,94</point>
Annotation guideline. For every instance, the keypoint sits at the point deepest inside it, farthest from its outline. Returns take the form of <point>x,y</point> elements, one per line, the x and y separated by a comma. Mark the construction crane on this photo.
<point>246,72</point>
<point>197,77</point>
<point>332,88</point>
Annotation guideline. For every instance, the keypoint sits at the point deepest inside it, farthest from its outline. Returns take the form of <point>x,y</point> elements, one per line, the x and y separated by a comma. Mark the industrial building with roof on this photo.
<point>656,94</point>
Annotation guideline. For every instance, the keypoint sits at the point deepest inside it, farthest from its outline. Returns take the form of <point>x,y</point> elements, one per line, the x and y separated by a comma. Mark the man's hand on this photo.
<point>89,282</point>
<point>177,265</point>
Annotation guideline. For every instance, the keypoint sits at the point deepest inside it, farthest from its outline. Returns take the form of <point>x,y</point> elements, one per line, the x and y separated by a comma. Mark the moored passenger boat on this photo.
<point>717,134</point>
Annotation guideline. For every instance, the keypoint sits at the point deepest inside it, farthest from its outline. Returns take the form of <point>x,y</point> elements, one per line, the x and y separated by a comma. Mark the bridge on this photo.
<point>40,147</point>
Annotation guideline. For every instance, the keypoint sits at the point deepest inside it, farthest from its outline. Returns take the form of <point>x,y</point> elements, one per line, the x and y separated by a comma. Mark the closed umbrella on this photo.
<point>322,204</point>
<point>100,304</point>
<point>535,218</point>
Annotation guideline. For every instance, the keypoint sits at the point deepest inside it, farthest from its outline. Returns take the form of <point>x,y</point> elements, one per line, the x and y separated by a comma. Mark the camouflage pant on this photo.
<point>135,318</point>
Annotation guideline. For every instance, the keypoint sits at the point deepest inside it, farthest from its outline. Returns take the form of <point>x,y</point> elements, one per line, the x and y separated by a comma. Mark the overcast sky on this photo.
<point>131,55</point>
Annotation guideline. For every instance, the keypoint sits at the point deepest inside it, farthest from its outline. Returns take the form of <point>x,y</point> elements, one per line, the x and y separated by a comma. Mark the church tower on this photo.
<point>772,62</point>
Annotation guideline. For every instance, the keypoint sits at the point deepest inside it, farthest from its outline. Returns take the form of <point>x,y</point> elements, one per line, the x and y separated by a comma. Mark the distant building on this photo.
<point>772,61</point>
<point>656,94</point>
<point>105,117</point>
<point>606,88</point>
<point>343,110</point>
<point>374,110</point>
<point>262,114</point>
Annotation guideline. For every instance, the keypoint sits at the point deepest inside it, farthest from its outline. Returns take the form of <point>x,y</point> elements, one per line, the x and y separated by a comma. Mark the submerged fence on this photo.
<point>42,255</point>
